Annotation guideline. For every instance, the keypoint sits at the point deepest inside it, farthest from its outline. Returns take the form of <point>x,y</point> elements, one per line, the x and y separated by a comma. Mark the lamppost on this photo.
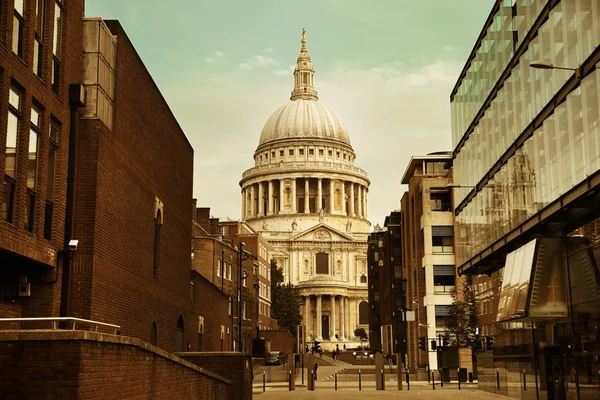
<point>242,255</point>
<point>540,64</point>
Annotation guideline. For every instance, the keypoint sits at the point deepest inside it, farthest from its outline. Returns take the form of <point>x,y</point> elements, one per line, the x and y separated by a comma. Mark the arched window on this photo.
<point>363,279</point>
<point>157,224</point>
<point>153,334</point>
<point>338,267</point>
<point>363,313</point>
<point>306,266</point>
<point>179,335</point>
<point>322,261</point>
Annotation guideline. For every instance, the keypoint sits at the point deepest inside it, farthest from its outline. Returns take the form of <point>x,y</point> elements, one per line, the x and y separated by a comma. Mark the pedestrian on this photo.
<point>321,353</point>
<point>337,349</point>
<point>333,354</point>
<point>307,348</point>
<point>344,347</point>
<point>315,368</point>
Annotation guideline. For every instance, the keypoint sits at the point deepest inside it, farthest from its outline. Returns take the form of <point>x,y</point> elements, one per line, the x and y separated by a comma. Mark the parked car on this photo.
<point>272,358</point>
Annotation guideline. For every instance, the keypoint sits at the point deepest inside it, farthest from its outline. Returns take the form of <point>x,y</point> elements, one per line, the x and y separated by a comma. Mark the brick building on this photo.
<point>40,56</point>
<point>92,153</point>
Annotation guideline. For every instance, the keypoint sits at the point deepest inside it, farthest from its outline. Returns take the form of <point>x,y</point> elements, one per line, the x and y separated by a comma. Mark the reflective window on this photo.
<point>18,23</point>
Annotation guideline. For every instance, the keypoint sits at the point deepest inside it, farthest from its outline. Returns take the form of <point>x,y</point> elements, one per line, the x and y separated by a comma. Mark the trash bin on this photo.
<point>446,374</point>
<point>462,374</point>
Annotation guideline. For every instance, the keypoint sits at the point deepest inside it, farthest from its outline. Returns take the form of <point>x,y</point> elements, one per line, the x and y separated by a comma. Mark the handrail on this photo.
<point>56,320</point>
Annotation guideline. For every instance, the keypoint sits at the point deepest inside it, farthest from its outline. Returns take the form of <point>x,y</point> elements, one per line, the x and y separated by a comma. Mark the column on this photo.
<point>331,197</point>
<point>347,318</point>
<point>333,317</point>
<point>270,201</point>
<point>319,195</point>
<point>307,317</point>
<point>243,205</point>
<point>306,196</point>
<point>352,199</point>
<point>365,203</point>
<point>344,198</point>
<point>294,200</point>
<point>281,207</point>
<point>360,210</point>
<point>252,201</point>
<point>342,319</point>
<point>261,199</point>
<point>319,332</point>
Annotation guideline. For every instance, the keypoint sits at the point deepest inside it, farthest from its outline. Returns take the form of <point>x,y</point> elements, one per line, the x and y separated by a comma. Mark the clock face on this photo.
<point>304,63</point>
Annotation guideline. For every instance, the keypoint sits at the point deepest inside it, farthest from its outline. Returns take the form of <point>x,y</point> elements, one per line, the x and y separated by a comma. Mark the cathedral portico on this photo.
<point>308,199</point>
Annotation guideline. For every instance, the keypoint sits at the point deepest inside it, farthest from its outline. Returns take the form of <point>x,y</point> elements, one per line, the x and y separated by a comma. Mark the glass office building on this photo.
<point>526,158</point>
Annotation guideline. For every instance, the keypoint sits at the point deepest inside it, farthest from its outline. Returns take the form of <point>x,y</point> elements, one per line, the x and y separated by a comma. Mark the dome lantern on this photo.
<point>304,75</point>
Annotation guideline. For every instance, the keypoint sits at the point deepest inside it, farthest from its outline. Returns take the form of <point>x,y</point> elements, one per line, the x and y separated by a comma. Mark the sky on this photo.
<point>386,67</point>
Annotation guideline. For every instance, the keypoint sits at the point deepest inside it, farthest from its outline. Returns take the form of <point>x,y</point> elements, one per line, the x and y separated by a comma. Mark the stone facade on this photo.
<point>305,196</point>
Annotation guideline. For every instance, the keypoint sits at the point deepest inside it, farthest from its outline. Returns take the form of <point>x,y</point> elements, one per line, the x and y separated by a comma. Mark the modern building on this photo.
<point>387,288</point>
<point>306,197</point>
<point>526,157</point>
<point>428,259</point>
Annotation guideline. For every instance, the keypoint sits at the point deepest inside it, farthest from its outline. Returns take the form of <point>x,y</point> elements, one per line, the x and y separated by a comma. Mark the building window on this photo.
<point>291,152</point>
<point>56,46</point>
<point>219,268</point>
<point>320,152</point>
<point>363,313</point>
<point>442,239</point>
<point>330,152</point>
<point>38,38</point>
<point>244,282</point>
<point>10,162</point>
<point>338,154</point>
<point>229,272</point>
<point>230,305</point>
<point>244,309</point>
<point>18,23</point>
<point>54,134</point>
<point>301,152</point>
<point>32,157</point>
<point>443,278</point>
<point>158,220</point>
<point>363,279</point>
<point>153,334</point>
<point>441,201</point>
<point>280,153</point>
<point>272,154</point>
<point>322,263</point>
<point>311,152</point>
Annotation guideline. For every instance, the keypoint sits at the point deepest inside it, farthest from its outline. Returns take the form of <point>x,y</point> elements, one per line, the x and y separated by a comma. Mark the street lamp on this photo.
<point>540,64</point>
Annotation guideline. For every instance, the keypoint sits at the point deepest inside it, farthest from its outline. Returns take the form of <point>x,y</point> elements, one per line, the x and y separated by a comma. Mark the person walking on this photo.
<point>344,347</point>
<point>315,368</point>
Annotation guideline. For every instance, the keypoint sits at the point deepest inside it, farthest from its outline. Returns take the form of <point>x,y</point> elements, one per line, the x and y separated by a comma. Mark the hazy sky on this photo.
<point>385,66</point>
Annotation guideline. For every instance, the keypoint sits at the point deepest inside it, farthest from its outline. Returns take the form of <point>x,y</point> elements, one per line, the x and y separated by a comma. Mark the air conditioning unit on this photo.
<point>200,325</point>
<point>24,287</point>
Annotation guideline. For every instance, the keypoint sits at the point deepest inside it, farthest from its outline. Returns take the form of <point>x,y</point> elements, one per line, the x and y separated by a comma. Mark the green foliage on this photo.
<point>284,301</point>
<point>361,333</point>
<point>462,319</point>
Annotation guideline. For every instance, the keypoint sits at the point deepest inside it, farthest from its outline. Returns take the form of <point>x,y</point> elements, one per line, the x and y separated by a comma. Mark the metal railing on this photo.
<point>56,320</point>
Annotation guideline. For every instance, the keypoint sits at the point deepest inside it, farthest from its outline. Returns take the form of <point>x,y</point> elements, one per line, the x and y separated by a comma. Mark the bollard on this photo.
<point>382,380</point>
<point>335,380</point>
<point>433,379</point>
<point>524,381</point>
<point>290,381</point>
<point>458,378</point>
<point>498,379</point>
<point>441,378</point>
<point>359,381</point>
<point>311,382</point>
<point>264,381</point>
<point>407,381</point>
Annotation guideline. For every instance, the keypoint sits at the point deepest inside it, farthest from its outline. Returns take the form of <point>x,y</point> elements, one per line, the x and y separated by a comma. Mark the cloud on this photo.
<point>288,71</point>
<point>218,56</point>
<point>258,61</point>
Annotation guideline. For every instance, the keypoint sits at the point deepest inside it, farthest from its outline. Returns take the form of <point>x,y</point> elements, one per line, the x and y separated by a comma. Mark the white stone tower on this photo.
<point>306,197</point>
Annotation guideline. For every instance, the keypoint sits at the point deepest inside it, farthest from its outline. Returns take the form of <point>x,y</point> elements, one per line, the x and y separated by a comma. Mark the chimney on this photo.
<point>214,226</point>
<point>203,217</point>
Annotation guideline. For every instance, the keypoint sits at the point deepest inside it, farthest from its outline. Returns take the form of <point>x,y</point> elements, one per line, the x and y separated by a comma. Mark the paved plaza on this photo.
<point>371,393</point>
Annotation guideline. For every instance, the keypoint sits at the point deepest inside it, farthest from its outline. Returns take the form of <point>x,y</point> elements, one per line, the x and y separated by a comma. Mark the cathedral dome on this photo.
<point>304,119</point>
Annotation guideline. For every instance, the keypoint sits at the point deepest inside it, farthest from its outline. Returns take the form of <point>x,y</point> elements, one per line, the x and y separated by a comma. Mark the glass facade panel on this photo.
<point>560,154</point>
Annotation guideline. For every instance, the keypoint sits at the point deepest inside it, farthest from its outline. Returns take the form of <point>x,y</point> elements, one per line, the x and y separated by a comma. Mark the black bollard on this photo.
<point>290,381</point>
<point>335,376</point>
<point>524,381</point>
<point>498,379</point>
<point>311,382</point>
<point>459,379</point>
<point>407,381</point>
<point>264,381</point>
<point>433,379</point>
<point>359,381</point>
<point>441,378</point>
<point>382,380</point>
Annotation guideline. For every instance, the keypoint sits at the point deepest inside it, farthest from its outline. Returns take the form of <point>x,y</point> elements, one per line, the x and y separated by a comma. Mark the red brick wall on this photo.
<point>236,367</point>
<point>281,340</point>
<point>86,365</point>
<point>120,172</point>
<point>213,305</point>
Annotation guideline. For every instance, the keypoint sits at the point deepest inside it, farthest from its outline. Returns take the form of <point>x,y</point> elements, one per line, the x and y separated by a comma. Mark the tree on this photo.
<point>284,301</point>
<point>361,333</point>
<point>461,322</point>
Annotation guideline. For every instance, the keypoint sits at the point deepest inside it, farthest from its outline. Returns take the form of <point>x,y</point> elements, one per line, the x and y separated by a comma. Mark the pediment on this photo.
<point>322,233</point>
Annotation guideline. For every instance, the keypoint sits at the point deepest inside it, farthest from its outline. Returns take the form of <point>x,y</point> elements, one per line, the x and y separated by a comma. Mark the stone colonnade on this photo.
<point>341,317</point>
<point>288,196</point>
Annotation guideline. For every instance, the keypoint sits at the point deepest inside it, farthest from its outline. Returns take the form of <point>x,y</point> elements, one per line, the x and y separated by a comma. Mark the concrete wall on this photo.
<point>89,365</point>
